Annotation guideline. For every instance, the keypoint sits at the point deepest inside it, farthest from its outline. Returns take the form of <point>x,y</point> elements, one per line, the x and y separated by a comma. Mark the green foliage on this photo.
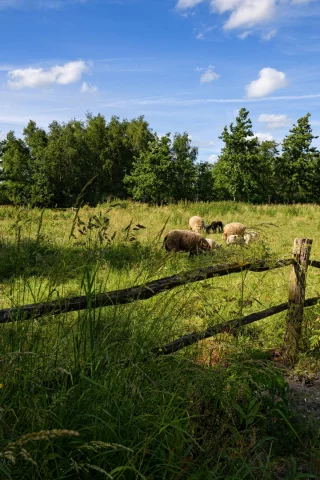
<point>243,166</point>
<point>81,396</point>
<point>16,169</point>
<point>101,159</point>
<point>165,172</point>
<point>52,168</point>
<point>205,188</point>
<point>270,190</point>
<point>150,177</point>
<point>298,167</point>
<point>183,173</point>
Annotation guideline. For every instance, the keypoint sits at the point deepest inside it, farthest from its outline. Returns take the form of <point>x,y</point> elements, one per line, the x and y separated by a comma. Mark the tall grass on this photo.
<point>81,395</point>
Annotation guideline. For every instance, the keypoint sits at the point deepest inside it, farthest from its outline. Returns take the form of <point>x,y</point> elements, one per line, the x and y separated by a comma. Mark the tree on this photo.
<point>151,176</point>
<point>138,135</point>
<point>183,167</point>
<point>16,169</point>
<point>65,162</point>
<point>113,147</point>
<point>98,162</point>
<point>296,166</point>
<point>204,185</point>
<point>238,169</point>
<point>314,185</point>
<point>2,145</point>
<point>268,157</point>
<point>91,158</point>
<point>37,140</point>
<point>166,171</point>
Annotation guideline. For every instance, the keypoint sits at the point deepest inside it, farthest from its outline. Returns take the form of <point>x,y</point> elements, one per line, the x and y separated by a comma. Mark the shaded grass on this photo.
<point>166,418</point>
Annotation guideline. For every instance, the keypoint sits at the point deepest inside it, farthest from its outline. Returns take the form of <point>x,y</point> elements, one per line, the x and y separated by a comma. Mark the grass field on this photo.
<point>81,395</point>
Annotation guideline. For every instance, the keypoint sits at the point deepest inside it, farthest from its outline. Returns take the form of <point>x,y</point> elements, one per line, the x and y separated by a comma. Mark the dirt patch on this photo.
<point>304,387</point>
<point>304,393</point>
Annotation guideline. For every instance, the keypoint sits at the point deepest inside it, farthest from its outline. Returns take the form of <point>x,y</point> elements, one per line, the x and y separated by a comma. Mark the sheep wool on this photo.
<point>185,241</point>
<point>235,239</point>
<point>234,228</point>
<point>196,224</point>
<point>213,244</point>
<point>250,237</point>
<point>215,226</point>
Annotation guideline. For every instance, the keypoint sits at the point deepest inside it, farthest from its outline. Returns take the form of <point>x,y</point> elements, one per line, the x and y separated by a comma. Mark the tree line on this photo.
<point>94,160</point>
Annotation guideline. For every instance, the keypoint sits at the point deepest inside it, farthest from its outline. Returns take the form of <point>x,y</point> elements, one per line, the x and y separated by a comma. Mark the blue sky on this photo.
<point>187,65</point>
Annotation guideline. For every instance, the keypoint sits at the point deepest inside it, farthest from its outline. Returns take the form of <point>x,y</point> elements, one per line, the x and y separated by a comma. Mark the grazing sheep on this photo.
<point>213,244</point>
<point>196,224</point>
<point>185,241</point>
<point>215,226</point>
<point>250,237</point>
<point>234,228</point>
<point>235,239</point>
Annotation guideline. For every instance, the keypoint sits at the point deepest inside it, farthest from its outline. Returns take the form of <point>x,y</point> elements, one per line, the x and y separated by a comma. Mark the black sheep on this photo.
<point>215,227</point>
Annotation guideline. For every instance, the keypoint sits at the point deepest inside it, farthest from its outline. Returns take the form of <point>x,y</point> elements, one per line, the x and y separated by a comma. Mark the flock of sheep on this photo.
<point>194,242</point>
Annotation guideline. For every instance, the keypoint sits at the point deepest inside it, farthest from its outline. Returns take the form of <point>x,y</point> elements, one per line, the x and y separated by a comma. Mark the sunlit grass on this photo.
<point>91,372</point>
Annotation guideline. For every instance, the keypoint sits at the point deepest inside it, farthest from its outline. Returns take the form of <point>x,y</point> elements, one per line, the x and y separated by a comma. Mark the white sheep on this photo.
<point>234,228</point>
<point>213,244</point>
<point>235,239</point>
<point>250,237</point>
<point>196,224</point>
<point>185,241</point>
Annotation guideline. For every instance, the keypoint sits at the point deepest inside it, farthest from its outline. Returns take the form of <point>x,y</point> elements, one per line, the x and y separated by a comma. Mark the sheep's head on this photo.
<point>204,244</point>
<point>213,244</point>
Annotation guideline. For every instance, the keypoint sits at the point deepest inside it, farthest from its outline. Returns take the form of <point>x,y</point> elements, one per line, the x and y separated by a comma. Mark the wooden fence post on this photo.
<point>297,288</point>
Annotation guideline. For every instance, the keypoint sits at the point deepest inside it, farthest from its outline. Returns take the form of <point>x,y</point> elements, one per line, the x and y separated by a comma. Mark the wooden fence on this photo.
<point>295,305</point>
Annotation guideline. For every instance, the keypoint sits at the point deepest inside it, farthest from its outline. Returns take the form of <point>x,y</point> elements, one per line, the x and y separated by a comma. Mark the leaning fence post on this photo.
<point>297,288</point>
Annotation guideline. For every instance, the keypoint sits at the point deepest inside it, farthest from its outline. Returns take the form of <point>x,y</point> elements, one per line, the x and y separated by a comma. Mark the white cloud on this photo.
<point>209,75</point>
<point>245,13</point>
<point>174,101</point>
<point>263,137</point>
<point>88,88</point>
<point>187,14</point>
<point>245,34</point>
<point>182,4</point>
<point>38,77</point>
<point>269,80</point>
<point>213,158</point>
<point>274,121</point>
<point>203,31</point>
<point>267,36</point>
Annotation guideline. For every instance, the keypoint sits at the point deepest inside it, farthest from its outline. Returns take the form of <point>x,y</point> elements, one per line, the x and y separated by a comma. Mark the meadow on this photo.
<point>81,395</point>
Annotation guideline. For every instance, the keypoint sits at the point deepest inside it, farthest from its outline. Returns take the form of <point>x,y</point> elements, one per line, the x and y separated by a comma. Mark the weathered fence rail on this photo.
<point>295,304</point>
<point>128,295</point>
<point>314,263</point>
<point>295,307</point>
<point>297,289</point>
<point>226,327</point>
